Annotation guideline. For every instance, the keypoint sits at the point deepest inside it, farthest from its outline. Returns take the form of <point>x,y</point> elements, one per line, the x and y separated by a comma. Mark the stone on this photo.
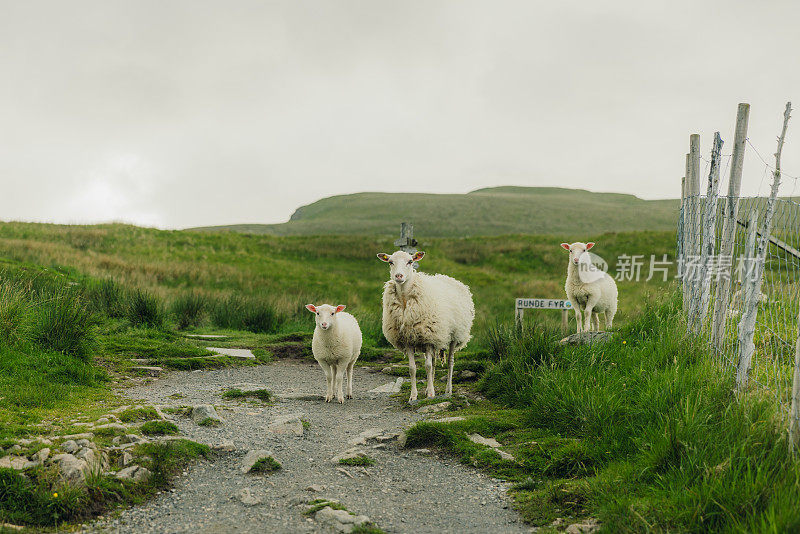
<point>97,461</point>
<point>586,338</point>
<point>339,520</point>
<point>117,427</point>
<point>349,454</point>
<point>387,370</point>
<point>391,387</point>
<point>125,459</point>
<point>41,455</point>
<point>505,456</point>
<point>205,412</point>
<point>449,419</point>
<point>480,440</point>
<point>252,457</point>
<point>245,354</point>
<point>70,446</point>
<point>84,443</point>
<point>466,374</point>
<point>365,436</point>
<point>132,439</point>
<point>72,469</point>
<point>83,435</point>
<point>401,439</point>
<point>149,370</point>
<point>434,408</point>
<point>9,526</point>
<point>286,424</point>
<point>15,448</point>
<point>226,445</point>
<point>102,421</point>
<point>587,527</point>
<point>422,451</point>
<point>134,473</point>
<point>206,336</point>
<point>248,498</point>
<point>315,488</point>
<point>19,463</point>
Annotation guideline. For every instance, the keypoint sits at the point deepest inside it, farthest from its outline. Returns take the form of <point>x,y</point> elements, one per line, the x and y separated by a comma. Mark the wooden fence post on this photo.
<point>794,417</point>
<point>731,213</point>
<point>746,330</point>
<point>752,293</point>
<point>708,236</point>
<point>693,204</point>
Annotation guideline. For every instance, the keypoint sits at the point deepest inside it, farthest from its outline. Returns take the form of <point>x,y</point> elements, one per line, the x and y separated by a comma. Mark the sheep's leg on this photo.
<point>350,379</point>
<point>450,361</point>
<point>587,312</point>
<point>338,372</point>
<point>429,354</point>
<point>578,319</point>
<point>412,372</point>
<point>328,381</point>
<point>596,321</point>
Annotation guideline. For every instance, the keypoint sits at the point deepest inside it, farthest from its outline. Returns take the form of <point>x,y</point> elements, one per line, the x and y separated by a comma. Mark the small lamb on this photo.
<point>590,290</point>
<point>425,313</point>
<point>336,346</point>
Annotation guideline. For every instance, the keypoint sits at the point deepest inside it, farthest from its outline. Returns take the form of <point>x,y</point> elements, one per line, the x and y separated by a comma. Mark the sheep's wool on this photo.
<point>432,312</point>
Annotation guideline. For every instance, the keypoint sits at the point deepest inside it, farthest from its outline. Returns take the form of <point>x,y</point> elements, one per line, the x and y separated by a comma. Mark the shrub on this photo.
<point>159,428</point>
<point>64,323</point>
<point>189,309</point>
<point>145,309</point>
<point>254,315</point>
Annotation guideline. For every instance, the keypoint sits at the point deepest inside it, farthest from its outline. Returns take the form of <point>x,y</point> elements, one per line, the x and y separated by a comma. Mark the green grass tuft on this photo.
<point>265,465</point>
<point>159,428</point>
<point>358,460</point>
<point>131,415</point>
<point>235,393</point>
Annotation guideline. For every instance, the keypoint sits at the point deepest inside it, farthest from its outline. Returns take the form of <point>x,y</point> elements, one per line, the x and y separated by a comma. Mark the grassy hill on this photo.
<point>491,211</point>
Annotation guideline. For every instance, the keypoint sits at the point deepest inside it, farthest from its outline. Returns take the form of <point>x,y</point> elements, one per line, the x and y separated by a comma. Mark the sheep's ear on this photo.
<point>383,257</point>
<point>589,245</point>
<point>311,308</point>
<point>339,308</point>
<point>565,246</point>
<point>418,256</point>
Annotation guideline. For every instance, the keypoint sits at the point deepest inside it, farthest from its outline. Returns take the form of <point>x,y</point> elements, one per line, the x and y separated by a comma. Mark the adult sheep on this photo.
<point>425,313</point>
<point>590,290</point>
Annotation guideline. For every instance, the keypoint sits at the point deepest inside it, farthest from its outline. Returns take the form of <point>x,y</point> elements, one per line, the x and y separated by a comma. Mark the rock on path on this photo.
<point>403,492</point>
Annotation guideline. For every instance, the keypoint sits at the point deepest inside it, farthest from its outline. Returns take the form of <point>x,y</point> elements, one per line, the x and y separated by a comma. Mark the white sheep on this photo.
<point>426,313</point>
<point>336,346</point>
<point>590,290</point>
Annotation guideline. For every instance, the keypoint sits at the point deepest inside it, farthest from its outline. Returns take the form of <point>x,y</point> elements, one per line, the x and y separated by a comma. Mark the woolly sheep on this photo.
<point>425,313</point>
<point>590,290</point>
<point>336,346</point>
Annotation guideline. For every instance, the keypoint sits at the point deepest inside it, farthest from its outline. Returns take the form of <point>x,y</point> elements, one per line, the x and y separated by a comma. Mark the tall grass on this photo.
<point>107,296</point>
<point>145,309</point>
<point>657,424</point>
<point>253,314</point>
<point>190,309</point>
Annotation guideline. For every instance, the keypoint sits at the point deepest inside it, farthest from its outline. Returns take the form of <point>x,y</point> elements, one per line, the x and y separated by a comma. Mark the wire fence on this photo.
<point>739,262</point>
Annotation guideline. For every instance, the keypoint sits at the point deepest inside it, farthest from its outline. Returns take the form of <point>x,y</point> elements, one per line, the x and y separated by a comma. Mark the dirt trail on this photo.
<point>405,491</point>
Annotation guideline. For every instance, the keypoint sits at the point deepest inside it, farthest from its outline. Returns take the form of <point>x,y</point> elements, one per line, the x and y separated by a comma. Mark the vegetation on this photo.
<point>159,428</point>
<point>643,433</point>
<point>491,211</point>
<point>260,394</point>
<point>364,461</point>
<point>265,465</point>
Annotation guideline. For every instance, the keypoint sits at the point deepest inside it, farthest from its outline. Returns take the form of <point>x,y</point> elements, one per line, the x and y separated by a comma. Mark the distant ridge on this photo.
<point>484,212</point>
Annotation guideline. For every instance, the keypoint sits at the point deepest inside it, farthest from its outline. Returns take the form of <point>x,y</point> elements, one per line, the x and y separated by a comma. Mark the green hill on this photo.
<point>492,211</point>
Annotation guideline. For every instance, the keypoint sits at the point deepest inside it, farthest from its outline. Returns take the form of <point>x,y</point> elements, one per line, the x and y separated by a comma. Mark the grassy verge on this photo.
<point>643,433</point>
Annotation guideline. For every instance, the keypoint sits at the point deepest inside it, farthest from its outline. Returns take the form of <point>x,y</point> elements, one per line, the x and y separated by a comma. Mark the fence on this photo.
<point>739,263</point>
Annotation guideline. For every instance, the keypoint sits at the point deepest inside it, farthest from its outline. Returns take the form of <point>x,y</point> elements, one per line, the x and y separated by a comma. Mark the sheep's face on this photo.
<point>325,314</point>
<point>576,250</point>
<point>401,265</point>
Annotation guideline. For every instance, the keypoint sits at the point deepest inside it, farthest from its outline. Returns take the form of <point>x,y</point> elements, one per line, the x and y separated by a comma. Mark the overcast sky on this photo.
<point>176,114</point>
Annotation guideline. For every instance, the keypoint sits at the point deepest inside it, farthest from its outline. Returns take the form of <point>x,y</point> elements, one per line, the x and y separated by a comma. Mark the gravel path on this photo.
<point>405,491</point>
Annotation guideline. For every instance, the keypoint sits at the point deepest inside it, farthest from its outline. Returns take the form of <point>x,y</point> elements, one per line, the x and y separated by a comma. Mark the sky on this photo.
<point>189,113</point>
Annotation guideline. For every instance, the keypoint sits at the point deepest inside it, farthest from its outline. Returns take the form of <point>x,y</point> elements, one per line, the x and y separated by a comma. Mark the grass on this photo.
<point>364,461</point>
<point>265,465</point>
<point>40,499</point>
<point>490,211</point>
<point>260,394</point>
<point>643,433</point>
<point>159,428</point>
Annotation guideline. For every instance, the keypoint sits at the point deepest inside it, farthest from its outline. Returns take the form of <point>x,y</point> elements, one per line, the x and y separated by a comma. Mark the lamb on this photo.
<point>336,346</point>
<point>590,290</point>
<point>426,313</point>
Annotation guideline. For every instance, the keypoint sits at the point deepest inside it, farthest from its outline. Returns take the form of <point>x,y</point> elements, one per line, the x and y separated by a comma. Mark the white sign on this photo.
<point>543,304</point>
